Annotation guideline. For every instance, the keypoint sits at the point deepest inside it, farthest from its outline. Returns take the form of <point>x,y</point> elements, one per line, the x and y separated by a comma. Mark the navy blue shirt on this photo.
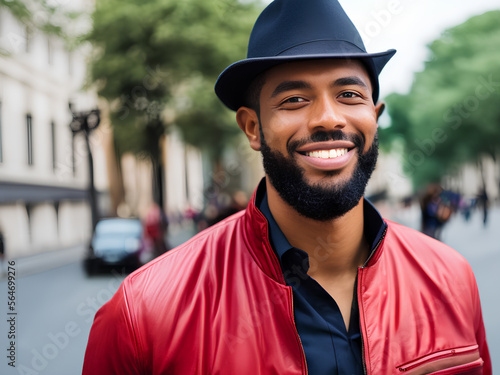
<point>330,347</point>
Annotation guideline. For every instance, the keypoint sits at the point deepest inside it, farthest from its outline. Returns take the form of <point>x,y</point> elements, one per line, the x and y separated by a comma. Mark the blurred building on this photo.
<point>190,180</point>
<point>471,177</point>
<point>388,180</point>
<point>183,175</point>
<point>43,166</point>
<point>389,185</point>
<point>183,180</point>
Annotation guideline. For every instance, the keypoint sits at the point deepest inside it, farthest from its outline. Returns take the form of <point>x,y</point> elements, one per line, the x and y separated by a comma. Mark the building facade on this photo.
<point>43,165</point>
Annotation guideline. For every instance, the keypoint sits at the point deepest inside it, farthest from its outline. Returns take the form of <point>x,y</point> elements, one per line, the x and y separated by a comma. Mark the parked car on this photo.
<point>117,243</point>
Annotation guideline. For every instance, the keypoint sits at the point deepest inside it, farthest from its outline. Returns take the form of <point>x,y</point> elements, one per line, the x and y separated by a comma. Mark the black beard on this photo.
<point>319,202</point>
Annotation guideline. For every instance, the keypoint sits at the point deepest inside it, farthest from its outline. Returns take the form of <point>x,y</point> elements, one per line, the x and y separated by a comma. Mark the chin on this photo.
<point>328,179</point>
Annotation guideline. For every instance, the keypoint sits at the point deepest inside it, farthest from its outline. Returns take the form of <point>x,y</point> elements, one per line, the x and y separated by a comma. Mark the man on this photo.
<point>309,278</point>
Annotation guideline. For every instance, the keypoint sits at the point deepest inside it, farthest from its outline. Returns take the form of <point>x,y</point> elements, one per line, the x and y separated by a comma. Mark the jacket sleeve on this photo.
<point>479,325</point>
<point>113,346</point>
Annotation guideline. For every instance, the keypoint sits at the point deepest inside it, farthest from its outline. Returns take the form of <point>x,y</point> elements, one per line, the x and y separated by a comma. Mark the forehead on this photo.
<point>324,70</point>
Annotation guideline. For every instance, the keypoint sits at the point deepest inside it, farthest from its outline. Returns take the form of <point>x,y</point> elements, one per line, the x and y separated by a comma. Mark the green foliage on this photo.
<point>40,14</point>
<point>205,122</point>
<point>451,115</point>
<point>157,61</point>
<point>400,129</point>
<point>17,8</point>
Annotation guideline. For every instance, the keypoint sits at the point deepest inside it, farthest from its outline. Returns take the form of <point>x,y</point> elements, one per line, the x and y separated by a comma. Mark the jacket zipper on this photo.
<point>360,272</point>
<point>361,330</point>
<point>376,247</point>
<point>297,332</point>
<point>435,356</point>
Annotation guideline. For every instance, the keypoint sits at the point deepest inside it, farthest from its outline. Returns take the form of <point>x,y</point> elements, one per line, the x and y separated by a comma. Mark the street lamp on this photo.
<point>86,122</point>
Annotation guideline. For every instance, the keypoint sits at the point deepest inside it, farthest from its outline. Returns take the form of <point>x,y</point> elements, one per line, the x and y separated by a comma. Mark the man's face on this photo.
<point>317,135</point>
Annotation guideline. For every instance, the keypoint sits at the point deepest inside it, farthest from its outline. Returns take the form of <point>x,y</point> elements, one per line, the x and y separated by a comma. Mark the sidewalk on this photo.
<point>473,239</point>
<point>48,260</point>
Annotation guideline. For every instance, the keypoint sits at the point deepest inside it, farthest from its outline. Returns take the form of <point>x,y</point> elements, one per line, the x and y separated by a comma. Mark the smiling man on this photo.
<point>309,279</point>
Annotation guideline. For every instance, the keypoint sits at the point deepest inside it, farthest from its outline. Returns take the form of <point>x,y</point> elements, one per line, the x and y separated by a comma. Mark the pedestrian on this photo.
<point>156,229</point>
<point>435,211</point>
<point>482,198</point>
<point>309,279</point>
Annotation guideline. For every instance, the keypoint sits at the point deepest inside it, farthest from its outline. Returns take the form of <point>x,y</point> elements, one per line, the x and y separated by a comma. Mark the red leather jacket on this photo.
<point>218,304</point>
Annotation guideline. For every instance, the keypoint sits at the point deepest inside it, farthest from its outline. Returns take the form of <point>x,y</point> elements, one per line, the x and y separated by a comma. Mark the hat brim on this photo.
<point>232,84</point>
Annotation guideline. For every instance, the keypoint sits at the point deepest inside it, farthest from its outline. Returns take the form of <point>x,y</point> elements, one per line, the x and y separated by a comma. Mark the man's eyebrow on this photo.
<point>348,81</point>
<point>290,85</point>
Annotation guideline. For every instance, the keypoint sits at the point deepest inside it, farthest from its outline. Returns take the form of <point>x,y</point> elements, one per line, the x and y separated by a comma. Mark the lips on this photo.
<point>326,150</point>
<point>330,155</point>
<point>327,154</point>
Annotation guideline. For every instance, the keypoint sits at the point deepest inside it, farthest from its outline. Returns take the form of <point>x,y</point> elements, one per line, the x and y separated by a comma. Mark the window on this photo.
<point>50,52</point>
<point>28,31</point>
<point>70,63</point>
<point>53,141</point>
<point>73,157</point>
<point>29,133</point>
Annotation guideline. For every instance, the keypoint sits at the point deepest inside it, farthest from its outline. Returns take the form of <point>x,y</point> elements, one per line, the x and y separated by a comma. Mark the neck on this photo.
<point>334,247</point>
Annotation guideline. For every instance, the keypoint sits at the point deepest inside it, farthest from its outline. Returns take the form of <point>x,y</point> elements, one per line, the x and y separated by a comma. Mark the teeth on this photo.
<point>327,154</point>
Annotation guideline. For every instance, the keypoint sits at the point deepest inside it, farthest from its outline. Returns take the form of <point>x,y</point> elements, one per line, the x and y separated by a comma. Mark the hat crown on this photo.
<point>286,25</point>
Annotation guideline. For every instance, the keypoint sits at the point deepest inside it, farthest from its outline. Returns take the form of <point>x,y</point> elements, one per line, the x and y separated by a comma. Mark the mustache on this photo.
<point>323,136</point>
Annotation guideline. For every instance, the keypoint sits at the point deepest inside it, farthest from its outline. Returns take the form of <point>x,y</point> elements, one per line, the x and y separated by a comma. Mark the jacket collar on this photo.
<point>257,230</point>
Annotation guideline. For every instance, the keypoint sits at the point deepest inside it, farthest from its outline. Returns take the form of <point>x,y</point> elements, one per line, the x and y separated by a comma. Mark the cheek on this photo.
<point>366,124</point>
<point>370,135</point>
<point>279,132</point>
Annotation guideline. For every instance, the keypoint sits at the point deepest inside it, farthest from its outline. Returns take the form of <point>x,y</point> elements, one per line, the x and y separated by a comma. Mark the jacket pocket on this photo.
<point>463,360</point>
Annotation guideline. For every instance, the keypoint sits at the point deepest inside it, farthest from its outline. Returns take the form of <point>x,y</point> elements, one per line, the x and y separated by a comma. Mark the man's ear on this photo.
<point>248,121</point>
<point>379,109</point>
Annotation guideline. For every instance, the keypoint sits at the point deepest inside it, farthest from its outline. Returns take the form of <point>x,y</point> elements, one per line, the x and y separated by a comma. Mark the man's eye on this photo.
<point>295,99</point>
<point>349,94</point>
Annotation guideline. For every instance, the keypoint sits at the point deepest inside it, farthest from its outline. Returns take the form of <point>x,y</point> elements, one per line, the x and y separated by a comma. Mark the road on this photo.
<point>55,308</point>
<point>54,314</point>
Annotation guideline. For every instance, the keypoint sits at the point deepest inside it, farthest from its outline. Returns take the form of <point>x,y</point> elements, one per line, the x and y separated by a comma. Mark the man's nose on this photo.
<point>326,115</point>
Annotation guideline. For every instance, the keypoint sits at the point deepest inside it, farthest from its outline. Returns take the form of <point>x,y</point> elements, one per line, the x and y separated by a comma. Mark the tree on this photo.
<point>156,63</point>
<point>451,115</point>
<point>18,9</point>
<point>41,15</point>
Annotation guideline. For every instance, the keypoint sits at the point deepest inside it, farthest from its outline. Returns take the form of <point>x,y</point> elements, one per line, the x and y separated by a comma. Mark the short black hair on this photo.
<point>252,95</point>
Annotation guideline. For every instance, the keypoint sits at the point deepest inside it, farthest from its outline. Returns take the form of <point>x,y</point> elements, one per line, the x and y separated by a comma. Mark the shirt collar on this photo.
<point>374,226</point>
<point>278,240</point>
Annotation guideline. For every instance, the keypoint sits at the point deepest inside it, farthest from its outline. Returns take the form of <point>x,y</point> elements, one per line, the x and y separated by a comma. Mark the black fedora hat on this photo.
<point>289,30</point>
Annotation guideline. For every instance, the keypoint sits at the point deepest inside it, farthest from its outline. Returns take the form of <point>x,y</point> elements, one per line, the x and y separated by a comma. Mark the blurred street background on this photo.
<point>115,149</point>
